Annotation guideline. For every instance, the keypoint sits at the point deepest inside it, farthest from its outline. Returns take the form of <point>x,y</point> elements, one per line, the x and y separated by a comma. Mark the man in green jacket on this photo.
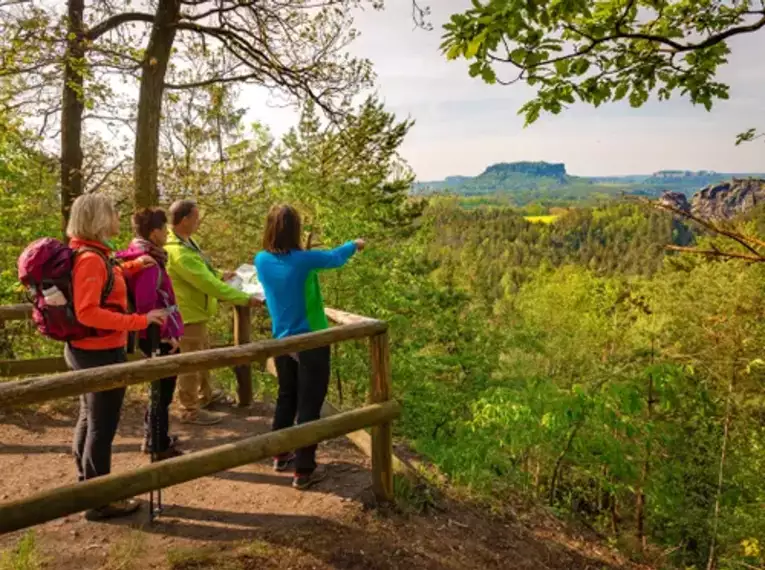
<point>198,287</point>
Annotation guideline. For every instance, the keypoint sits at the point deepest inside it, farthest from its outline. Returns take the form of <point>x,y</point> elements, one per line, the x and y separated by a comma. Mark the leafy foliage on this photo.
<point>599,52</point>
<point>27,192</point>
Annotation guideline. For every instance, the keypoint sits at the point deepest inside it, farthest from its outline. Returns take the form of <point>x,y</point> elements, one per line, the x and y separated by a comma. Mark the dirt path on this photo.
<point>250,517</point>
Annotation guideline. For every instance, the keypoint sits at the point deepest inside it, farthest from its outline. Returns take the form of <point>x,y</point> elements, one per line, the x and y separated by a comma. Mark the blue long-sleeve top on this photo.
<point>291,285</point>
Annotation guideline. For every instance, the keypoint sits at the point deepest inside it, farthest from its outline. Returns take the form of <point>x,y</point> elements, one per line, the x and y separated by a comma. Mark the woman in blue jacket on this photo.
<point>289,277</point>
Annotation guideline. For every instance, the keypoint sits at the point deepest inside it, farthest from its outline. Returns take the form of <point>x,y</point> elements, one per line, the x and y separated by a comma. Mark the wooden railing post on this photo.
<point>242,335</point>
<point>382,436</point>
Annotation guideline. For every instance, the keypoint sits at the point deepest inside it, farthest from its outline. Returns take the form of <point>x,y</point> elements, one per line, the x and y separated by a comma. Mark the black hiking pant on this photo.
<point>156,420</point>
<point>99,414</point>
<point>303,383</point>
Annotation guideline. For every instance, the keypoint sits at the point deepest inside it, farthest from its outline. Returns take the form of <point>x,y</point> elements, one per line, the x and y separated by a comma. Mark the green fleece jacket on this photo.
<point>198,286</point>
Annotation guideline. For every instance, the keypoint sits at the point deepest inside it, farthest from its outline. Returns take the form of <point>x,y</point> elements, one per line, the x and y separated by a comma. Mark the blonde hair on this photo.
<point>91,218</point>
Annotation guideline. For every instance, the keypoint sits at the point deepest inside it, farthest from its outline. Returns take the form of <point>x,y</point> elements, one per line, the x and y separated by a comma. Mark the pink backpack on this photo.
<point>45,269</point>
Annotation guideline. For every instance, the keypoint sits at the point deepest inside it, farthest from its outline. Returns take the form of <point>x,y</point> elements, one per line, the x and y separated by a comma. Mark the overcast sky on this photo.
<point>463,125</point>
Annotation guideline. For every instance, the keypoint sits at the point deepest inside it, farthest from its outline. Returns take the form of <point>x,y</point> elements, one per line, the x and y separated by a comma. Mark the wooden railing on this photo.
<point>62,501</point>
<point>52,365</point>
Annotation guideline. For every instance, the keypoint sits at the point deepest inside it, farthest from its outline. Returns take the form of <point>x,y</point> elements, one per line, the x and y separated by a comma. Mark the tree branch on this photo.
<point>8,71</point>
<point>212,81</point>
<point>106,176</point>
<point>716,253</point>
<point>628,36</point>
<point>261,64</point>
<point>420,16</point>
<point>115,21</point>
<point>746,241</point>
<point>721,37</point>
<point>624,15</point>
<point>220,10</point>
<point>676,47</point>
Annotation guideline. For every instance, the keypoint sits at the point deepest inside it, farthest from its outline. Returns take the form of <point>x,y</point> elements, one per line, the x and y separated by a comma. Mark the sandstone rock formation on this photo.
<point>720,201</point>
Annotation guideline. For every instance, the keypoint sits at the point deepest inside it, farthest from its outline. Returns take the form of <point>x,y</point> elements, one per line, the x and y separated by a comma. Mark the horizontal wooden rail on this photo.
<point>41,389</point>
<point>62,501</point>
<point>23,312</point>
<point>343,318</point>
<point>15,312</point>
<point>29,366</point>
<point>56,364</point>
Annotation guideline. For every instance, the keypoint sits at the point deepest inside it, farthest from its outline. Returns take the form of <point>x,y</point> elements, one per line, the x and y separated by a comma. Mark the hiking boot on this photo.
<point>284,463</point>
<point>169,453</point>
<point>217,396</point>
<point>302,481</point>
<point>146,447</point>
<point>202,418</point>
<point>113,510</point>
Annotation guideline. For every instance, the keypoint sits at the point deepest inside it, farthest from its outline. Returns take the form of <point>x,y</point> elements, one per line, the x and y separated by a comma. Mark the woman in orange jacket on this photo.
<point>93,221</point>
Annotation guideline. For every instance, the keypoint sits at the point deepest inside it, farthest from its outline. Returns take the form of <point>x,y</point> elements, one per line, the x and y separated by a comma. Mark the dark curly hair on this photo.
<point>147,220</point>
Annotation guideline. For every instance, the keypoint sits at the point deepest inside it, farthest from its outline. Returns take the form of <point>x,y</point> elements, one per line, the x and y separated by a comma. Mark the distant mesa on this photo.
<point>545,169</point>
<point>499,178</point>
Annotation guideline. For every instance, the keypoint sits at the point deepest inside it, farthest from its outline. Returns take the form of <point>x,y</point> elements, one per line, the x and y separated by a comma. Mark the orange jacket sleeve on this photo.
<point>89,281</point>
<point>130,268</point>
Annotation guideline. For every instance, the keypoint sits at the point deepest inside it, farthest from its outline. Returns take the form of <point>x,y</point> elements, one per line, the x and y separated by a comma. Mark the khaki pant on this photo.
<point>194,387</point>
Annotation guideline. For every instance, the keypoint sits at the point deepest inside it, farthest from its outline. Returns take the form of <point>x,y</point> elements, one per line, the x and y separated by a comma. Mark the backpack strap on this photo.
<point>110,263</point>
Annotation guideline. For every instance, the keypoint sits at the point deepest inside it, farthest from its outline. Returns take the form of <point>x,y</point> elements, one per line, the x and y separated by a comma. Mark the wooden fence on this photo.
<point>61,501</point>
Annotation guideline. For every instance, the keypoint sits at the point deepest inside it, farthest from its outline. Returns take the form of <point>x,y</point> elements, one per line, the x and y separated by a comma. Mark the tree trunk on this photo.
<point>150,103</point>
<point>72,108</point>
<point>217,104</point>
<point>559,463</point>
<point>640,498</point>
<point>711,561</point>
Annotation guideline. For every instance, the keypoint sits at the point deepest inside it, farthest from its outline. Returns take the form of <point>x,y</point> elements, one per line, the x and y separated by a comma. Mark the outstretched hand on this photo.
<point>156,316</point>
<point>147,260</point>
<point>360,244</point>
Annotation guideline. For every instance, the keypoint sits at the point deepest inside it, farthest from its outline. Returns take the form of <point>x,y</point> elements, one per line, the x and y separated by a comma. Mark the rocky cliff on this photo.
<point>721,201</point>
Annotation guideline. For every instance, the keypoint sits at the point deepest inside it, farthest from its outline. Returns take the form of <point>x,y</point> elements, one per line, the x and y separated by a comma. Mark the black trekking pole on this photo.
<point>153,334</point>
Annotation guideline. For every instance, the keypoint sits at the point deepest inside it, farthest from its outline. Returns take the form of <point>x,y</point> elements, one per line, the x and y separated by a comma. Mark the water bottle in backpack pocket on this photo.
<point>54,297</point>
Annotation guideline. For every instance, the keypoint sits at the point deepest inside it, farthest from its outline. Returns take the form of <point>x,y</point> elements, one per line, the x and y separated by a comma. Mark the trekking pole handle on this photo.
<point>153,335</point>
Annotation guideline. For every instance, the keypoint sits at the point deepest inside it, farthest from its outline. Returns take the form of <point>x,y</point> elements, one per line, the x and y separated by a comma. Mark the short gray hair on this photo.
<point>181,209</point>
<point>91,217</point>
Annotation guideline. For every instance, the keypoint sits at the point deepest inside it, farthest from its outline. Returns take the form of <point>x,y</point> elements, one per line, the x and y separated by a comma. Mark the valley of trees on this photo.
<point>577,364</point>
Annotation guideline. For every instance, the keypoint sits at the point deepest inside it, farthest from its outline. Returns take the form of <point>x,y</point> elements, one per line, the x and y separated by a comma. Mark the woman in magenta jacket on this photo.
<point>152,288</point>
